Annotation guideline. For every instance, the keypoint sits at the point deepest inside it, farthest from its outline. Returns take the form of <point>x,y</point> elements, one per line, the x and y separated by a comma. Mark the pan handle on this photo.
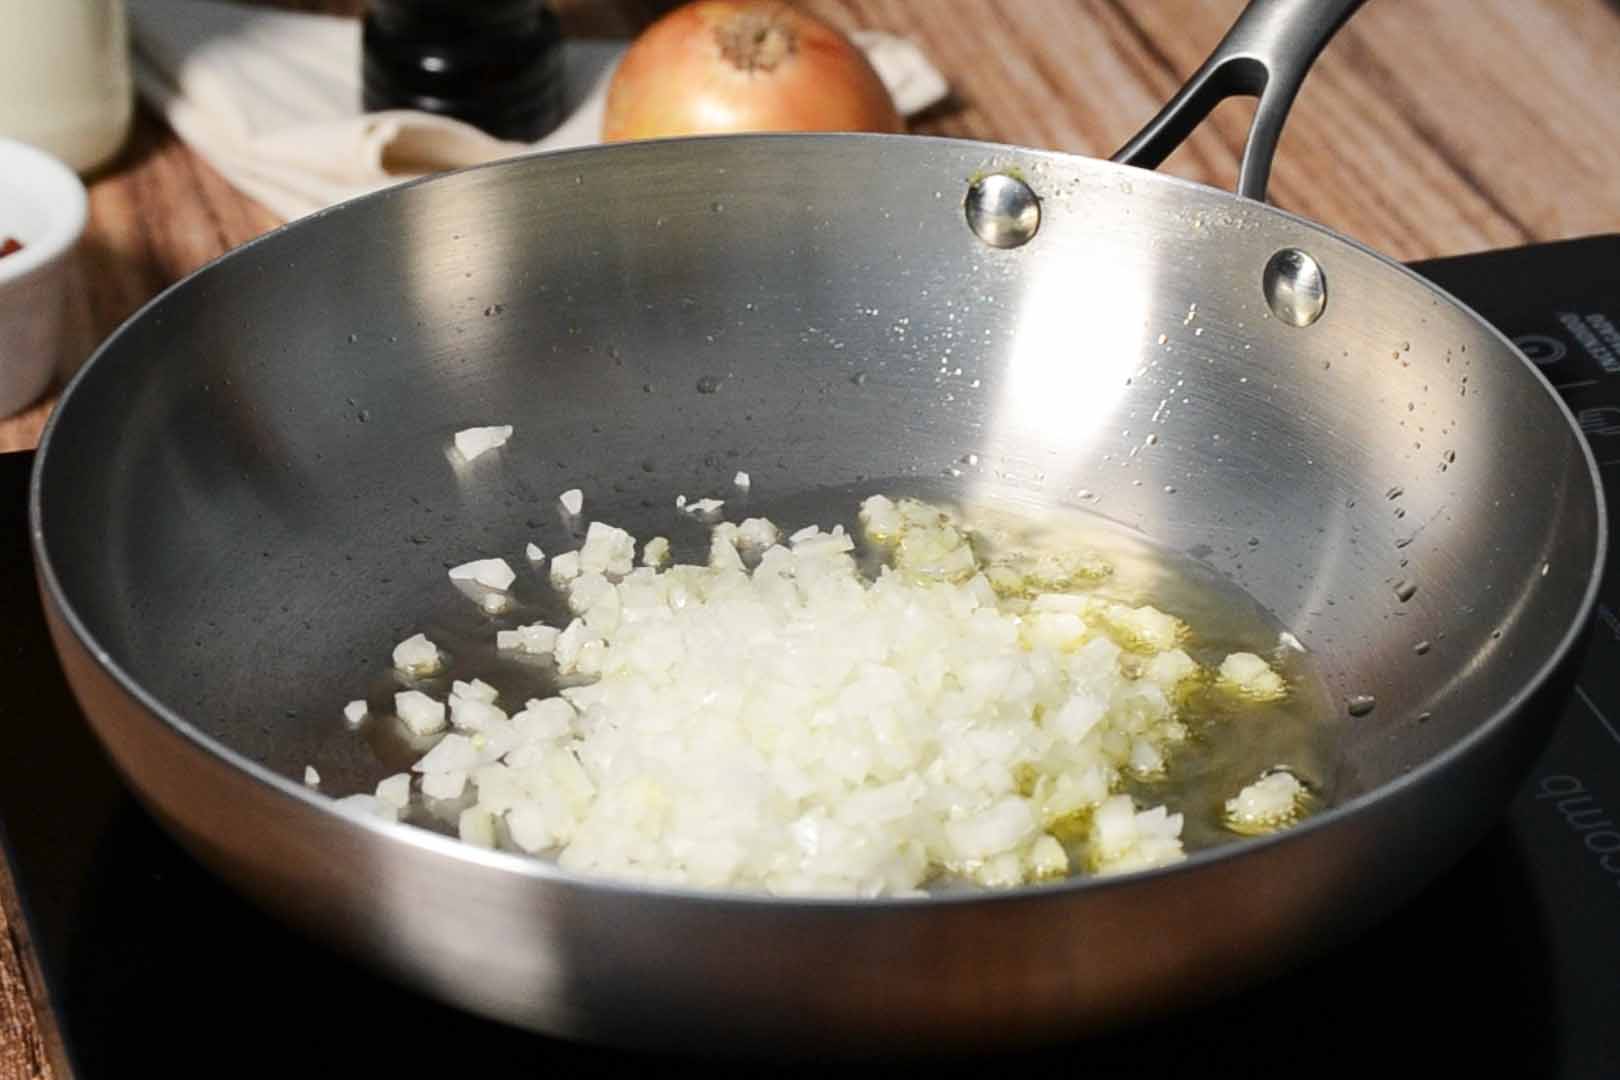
<point>1265,55</point>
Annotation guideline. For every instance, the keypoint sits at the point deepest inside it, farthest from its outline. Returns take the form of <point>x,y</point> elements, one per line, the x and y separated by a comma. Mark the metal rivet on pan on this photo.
<point>1002,210</point>
<point>1295,287</point>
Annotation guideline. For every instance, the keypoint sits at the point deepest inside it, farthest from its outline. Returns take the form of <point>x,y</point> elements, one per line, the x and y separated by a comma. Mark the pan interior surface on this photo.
<point>247,498</point>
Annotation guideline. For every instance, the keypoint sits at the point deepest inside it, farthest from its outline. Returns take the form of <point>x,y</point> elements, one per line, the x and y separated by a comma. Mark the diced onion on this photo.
<point>416,656</point>
<point>476,690</point>
<point>1271,802</point>
<point>470,714</point>
<point>655,552</point>
<point>476,826</point>
<point>565,568</point>
<point>368,806</point>
<point>537,639</point>
<point>444,785</point>
<point>453,753</point>
<point>1250,677</point>
<point>471,442</point>
<point>526,822</point>
<point>420,713</point>
<point>490,573</point>
<point>607,550</point>
<point>773,720</point>
<point>779,722</point>
<point>758,533</point>
<point>395,791</point>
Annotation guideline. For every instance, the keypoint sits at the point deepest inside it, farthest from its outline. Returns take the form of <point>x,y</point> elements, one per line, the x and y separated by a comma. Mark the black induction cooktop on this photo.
<point>1509,965</point>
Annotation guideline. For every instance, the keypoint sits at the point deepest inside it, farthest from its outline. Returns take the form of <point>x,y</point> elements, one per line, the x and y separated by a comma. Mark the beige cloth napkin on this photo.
<point>272,100</point>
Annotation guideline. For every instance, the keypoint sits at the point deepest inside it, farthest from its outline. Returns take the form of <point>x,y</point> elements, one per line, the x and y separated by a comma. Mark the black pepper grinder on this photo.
<point>496,64</point>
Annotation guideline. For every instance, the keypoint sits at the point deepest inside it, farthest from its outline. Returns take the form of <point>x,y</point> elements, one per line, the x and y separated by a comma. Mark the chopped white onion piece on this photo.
<point>451,753</point>
<point>1003,826</point>
<point>1146,760</point>
<point>571,647</point>
<point>532,550</point>
<point>420,713</point>
<point>1171,669</point>
<point>881,517</point>
<point>655,552</point>
<point>742,480</point>
<point>1046,859</point>
<point>477,690</point>
<point>1248,676</point>
<point>1077,717</point>
<point>544,719</point>
<point>1267,804</point>
<point>444,785</point>
<point>758,533</point>
<point>536,639</point>
<point>704,506</point>
<point>1125,839</point>
<point>490,573</point>
<point>471,442</point>
<point>1145,628</point>
<point>354,712</point>
<point>368,806</point>
<point>607,550</point>
<point>573,500</point>
<point>469,714</point>
<point>476,826</point>
<point>564,568</point>
<point>723,550</point>
<point>526,823</point>
<point>311,777</point>
<point>416,656</point>
<point>395,790</point>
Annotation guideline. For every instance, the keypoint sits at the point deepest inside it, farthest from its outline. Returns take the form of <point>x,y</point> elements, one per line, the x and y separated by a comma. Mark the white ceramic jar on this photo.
<point>65,77</point>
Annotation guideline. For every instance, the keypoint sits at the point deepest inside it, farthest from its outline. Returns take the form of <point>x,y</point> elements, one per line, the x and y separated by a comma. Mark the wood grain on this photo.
<point>1428,127</point>
<point>22,1052</point>
<point>22,1044</point>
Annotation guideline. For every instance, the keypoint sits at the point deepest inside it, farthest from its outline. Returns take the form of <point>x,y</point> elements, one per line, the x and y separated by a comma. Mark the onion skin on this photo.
<point>718,66</point>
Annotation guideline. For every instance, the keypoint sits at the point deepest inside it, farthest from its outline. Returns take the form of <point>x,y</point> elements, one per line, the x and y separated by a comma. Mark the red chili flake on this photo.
<point>9,246</point>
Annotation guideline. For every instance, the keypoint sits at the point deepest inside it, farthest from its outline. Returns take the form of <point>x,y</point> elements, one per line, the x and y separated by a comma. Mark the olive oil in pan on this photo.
<point>1232,741</point>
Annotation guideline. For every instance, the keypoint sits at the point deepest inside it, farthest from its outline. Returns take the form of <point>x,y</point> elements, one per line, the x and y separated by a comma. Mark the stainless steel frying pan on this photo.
<point>244,500</point>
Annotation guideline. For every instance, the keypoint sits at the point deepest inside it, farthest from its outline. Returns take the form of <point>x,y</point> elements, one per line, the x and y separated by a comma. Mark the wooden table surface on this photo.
<point>1429,127</point>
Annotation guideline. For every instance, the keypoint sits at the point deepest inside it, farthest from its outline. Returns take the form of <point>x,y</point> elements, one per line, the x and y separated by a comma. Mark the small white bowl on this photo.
<point>43,206</point>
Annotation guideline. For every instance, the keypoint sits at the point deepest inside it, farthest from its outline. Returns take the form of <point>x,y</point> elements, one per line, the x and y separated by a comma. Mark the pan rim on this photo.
<point>548,873</point>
